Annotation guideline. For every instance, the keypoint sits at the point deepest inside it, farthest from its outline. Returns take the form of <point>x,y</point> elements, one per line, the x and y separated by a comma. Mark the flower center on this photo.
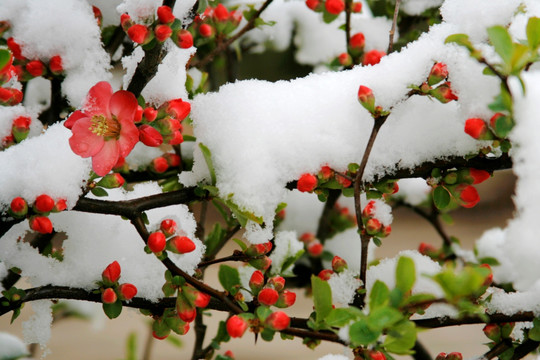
<point>107,128</point>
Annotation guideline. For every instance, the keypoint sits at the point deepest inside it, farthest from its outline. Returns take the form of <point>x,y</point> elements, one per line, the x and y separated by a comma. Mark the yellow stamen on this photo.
<point>107,128</point>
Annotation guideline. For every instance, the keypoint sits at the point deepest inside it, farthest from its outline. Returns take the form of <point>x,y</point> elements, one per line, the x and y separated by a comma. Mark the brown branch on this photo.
<point>433,323</point>
<point>432,218</point>
<point>319,335</point>
<point>200,333</point>
<point>228,236</point>
<point>525,348</point>
<point>237,256</point>
<point>223,45</point>
<point>497,350</point>
<point>393,28</point>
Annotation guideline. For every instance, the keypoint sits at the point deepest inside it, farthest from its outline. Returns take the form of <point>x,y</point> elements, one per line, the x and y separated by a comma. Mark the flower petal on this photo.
<point>129,136</point>
<point>84,142</point>
<point>72,119</point>
<point>123,105</point>
<point>97,100</point>
<point>105,160</point>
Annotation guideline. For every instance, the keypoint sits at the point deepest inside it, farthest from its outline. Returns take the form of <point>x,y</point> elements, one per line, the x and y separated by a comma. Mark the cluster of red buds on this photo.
<point>271,292</point>
<point>259,260</point>
<point>162,163</point>
<point>8,96</point>
<point>238,324</point>
<point>326,177</point>
<point>19,130</point>
<point>167,238</point>
<point>163,27</point>
<point>37,214</point>
<point>365,354</point>
<point>187,301</point>
<point>27,69</point>
<point>499,127</point>
<point>498,332</point>
<point>437,76</point>
<point>312,245</point>
<point>339,265</point>
<point>450,356</point>
<point>162,125</point>
<point>356,49</point>
<point>332,8</point>
<point>459,184</point>
<point>112,292</point>
<point>215,22</point>
<point>372,225</point>
<point>431,251</point>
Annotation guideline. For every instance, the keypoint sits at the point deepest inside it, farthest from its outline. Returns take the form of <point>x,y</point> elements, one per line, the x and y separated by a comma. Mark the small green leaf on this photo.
<point>97,191</point>
<point>267,334</point>
<point>401,338</point>
<point>208,158</point>
<point>263,312</point>
<point>502,42</point>
<point>340,317</point>
<point>203,4</point>
<point>383,317</point>
<point>113,310</point>
<point>5,56</point>
<point>379,295</point>
<point>533,32</point>
<point>328,18</point>
<point>291,260</point>
<point>520,57</point>
<point>215,237</point>
<point>189,138</point>
<point>241,244</point>
<point>229,279</point>
<point>534,333</point>
<point>405,274</point>
<point>489,260</point>
<point>441,197</point>
<point>361,334</point>
<point>322,298</point>
<point>460,39</point>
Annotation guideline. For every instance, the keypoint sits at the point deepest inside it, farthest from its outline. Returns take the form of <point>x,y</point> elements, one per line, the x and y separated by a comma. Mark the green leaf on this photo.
<point>5,56</point>
<point>520,58</point>
<point>383,317</point>
<point>208,158</point>
<point>405,274</point>
<point>203,4</point>
<point>328,18</point>
<point>291,260</point>
<point>502,42</point>
<point>267,334</point>
<point>489,260</point>
<point>131,346</point>
<point>533,32</point>
<point>534,333</point>
<point>379,295</point>
<point>175,341</point>
<point>189,138</point>
<point>401,338</point>
<point>97,191</point>
<point>340,317</point>
<point>460,39</point>
<point>361,334</point>
<point>441,197</point>
<point>215,237</point>
<point>241,244</point>
<point>263,312</point>
<point>322,298</point>
<point>229,279</point>
<point>113,310</point>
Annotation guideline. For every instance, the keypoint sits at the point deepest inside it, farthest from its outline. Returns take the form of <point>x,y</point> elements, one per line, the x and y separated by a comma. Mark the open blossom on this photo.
<point>104,128</point>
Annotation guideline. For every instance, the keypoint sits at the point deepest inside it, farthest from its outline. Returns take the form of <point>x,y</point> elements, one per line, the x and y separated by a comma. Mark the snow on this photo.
<point>334,357</point>
<point>344,286</point>
<point>346,245</point>
<point>413,191</point>
<point>417,7</point>
<point>11,347</point>
<point>286,245</point>
<point>37,329</point>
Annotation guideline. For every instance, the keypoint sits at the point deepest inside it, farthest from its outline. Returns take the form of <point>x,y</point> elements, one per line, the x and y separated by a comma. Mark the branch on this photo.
<point>497,350</point>
<point>146,69</point>
<point>223,45</point>
<point>236,256</point>
<point>393,28</point>
<point>432,218</point>
<point>525,348</point>
<point>319,335</point>
<point>496,318</point>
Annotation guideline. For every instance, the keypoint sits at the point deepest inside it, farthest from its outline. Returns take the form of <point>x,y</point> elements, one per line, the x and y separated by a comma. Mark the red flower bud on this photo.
<point>313,4</point>
<point>357,42</point>
<point>334,7</point>
<point>172,159</point>
<point>162,32</point>
<point>60,206</point>
<point>159,165</point>
<point>109,296</point>
<point>262,263</point>
<point>438,73</point>
<point>343,181</point>
<point>386,230</point>
<point>258,249</point>
<point>55,65</point>
<point>493,120</point>
<point>373,226</point>
<point>454,356</point>
<point>221,13</point>
<point>138,33</point>
<point>369,210</point>
<point>201,300</point>
<point>206,30</point>
<point>149,136</point>
<point>278,321</point>
<point>366,98</point>
<point>493,332</point>
<point>468,195</point>
<point>21,128</point>
<point>175,138</point>
<point>178,109</point>
<point>156,242</point>
<point>184,39</point>
<point>489,278</point>
<point>18,207</point>
<point>444,93</point>
<point>477,128</point>
<point>372,57</point>
<point>356,7</point>
<point>256,282</point>
<point>286,299</point>
<point>441,356</point>
<point>326,172</point>
<point>325,274</point>
<point>236,326</point>
<point>41,224</point>
<point>125,21</point>
<point>111,274</point>
<point>182,244</point>
<point>268,296</point>
<point>127,291</point>
<point>97,14</point>
<point>229,354</point>
<point>307,237</point>
<point>15,48</point>
<point>150,113</point>
<point>479,176</point>
<point>168,226</point>
<point>306,183</point>
<point>156,335</point>
<point>338,264</point>
<point>35,68</point>
<point>10,96</point>
<point>375,355</point>
<point>344,59</point>
<point>111,181</point>
<point>165,14</point>
<point>278,282</point>
<point>427,249</point>
<point>44,203</point>
<point>315,248</point>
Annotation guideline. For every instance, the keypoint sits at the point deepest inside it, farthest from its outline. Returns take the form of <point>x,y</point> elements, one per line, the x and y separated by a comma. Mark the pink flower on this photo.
<point>104,129</point>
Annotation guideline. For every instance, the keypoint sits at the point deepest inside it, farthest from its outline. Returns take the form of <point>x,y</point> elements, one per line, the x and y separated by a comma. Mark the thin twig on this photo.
<point>497,350</point>
<point>393,28</point>
<point>237,256</point>
<point>432,218</point>
<point>223,45</point>
<point>200,333</point>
